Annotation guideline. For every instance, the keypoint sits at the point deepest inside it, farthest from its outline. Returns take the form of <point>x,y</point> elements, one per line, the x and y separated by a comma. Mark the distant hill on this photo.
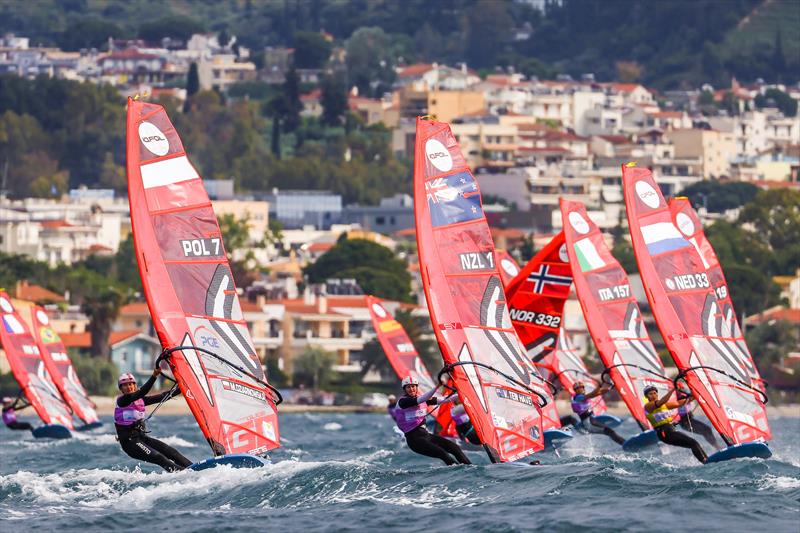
<point>666,44</point>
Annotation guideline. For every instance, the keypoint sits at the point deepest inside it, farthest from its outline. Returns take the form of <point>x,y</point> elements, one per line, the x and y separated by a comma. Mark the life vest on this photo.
<point>660,416</point>
<point>582,408</point>
<point>9,416</point>
<point>130,414</point>
<point>410,417</point>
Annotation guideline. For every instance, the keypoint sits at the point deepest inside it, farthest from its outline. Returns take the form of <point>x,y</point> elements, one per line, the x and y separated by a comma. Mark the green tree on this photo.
<point>315,367</point>
<point>88,33</point>
<point>98,376</point>
<point>192,86</point>
<point>374,358</point>
<point>370,61</point>
<point>374,266</point>
<point>770,341</point>
<point>775,216</point>
<point>292,104</point>
<point>311,50</point>
<point>175,26</point>
<point>719,196</point>
<point>778,98</point>
<point>334,101</point>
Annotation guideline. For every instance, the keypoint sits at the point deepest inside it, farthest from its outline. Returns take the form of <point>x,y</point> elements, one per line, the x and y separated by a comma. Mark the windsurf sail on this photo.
<point>59,367</point>
<point>690,315</point>
<point>28,368</point>
<point>536,299</point>
<point>689,224</point>
<point>611,312</point>
<point>396,345</point>
<point>501,392</point>
<point>190,290</point>
<point>508,266</point>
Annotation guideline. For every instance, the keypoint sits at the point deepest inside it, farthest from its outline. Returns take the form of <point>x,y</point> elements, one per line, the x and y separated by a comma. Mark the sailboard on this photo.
<point>613,317</point>
<point>190,291</point>
<point>405,359</point>
<point>502,393</point>
<point>692,320</point>
<point>30,372</point>
<point>59,367</point>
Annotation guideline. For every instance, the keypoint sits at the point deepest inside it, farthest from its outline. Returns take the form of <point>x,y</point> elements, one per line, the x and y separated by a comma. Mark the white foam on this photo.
<point>332,426</point>
<point>778,482</point>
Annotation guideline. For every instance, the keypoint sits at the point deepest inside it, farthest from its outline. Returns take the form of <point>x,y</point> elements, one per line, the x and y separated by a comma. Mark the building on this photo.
<point>715,148</point>
<point>132,351</point>
<point>223,70</point>
<point>295,209</point>
<point>393,214</point>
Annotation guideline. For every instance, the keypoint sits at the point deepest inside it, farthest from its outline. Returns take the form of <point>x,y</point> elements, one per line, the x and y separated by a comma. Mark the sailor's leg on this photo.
<point>422,445</point>
<point>569,420</point>
<point>20,425</point>
<point>168,451</point>
<point>141,451</point>
<point>701,428</point>
<point>452,448</point>
<point>672,436</point>
<point>599,427</point>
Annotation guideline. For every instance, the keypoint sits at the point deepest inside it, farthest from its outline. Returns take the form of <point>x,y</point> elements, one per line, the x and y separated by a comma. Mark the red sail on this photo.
<point>688,222</point>
<point>536,299</point>
<point>28,368</point>
<point>466,300</point>
<point>611,312</point>
<point>508,268</point>
<point>59,366</point>
<point>689,314</point>
<point>190,290</point>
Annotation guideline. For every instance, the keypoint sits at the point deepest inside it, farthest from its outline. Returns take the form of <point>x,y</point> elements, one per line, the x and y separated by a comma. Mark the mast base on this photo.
<point>235,460</point>
<point>643,440</point>
<point>555,437</point>
<point>51,431</point>
<point>89,427</point>
<point>609,420</point>
<point>741,451</point>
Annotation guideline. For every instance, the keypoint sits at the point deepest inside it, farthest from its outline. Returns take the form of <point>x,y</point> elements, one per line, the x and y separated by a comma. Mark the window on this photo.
<point>380,221</point>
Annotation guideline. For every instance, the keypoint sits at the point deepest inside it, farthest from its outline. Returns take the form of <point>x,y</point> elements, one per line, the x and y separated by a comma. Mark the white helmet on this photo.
<point>409,380</point>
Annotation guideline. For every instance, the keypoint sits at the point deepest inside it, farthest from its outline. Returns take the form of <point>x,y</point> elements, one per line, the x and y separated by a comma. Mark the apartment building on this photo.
<point>716,149</point>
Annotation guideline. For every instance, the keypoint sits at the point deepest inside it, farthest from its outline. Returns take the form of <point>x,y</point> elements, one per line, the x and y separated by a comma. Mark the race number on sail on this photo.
<point>59,367</point>
<point>691,315</point>
<point>190,290</point>
<point>611,312</point>
<point>502,393</point>
<point>28,368</point>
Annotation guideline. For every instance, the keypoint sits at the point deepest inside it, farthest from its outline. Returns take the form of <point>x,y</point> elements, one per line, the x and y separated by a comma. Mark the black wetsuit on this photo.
<point>568,420</point>
<point>16,424</point>
<point>669,435</point>
<point>423,443</point>
<point>137,444</point>
<point>467,433</point>
<point>594,425</point>
<point>690,423</point>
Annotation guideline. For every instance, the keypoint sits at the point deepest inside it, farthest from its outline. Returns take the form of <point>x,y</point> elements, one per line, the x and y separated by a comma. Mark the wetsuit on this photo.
<point>661,419</point>
<point>464,425</point>
<point>688,422</point>
<point>131,433</point>
<point>568,420</point>
<point>582,407</point>
<point>11,422</point>
<point>410,415</point>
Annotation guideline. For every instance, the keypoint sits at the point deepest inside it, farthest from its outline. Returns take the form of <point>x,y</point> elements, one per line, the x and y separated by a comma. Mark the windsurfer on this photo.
<point>660,417</point>
<point>129,419</point>
<point>410,413</point>
<point>688,422</point>
<point>583,408</point>
<point>10,416</point>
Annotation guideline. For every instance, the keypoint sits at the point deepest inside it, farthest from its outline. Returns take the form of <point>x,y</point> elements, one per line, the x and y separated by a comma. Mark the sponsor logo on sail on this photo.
<point>647,194</point>
<point>438,155</point>
<point>379,310</point>
<point>241,389</point>
<point>509,267</point>
<point>563,254</point>
<point>685,224</point>
<point>578,223</point>
<point>41,316</point>
<point>153,139</point>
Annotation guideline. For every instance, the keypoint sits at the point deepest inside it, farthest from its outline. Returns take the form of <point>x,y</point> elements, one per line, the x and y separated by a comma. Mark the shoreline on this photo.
<point>105,407</point>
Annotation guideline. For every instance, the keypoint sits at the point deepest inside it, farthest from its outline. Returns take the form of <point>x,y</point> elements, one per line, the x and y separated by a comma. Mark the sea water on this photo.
<point>353,472</point>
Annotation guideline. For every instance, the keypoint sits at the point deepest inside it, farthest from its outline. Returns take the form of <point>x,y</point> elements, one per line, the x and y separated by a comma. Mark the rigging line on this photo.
<point>575,370</point>
<point>277,399</point>
<point>683,373</point>
<point>450,366</point>
<point>608,370</point>
<point>57,398</point>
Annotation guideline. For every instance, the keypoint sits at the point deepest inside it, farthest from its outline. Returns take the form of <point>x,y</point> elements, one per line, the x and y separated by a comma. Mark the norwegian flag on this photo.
<point>453,199</point>
<point>551,280</point>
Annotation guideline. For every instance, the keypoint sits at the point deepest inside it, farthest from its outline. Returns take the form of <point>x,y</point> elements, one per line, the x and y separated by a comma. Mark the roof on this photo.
<point>417,69</point>
<point>625,87</point>
<point>665,114</point>
<point>320,246</point>
<point>775,313</point>
<point>509,233</point>
<point>615,139</point>
<point>130,53</point>
<point>84,340</point>
<point>36,293</point>
<point>55,224</point>
<point>316,94</point>
<point>357,300</point>
<point>99,248</point>
<point>135,308</point>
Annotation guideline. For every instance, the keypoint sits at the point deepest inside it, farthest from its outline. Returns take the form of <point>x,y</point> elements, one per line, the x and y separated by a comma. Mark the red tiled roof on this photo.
<point>416,69</point>
<point>510,233</point>
<point>665,114</point>
<point>130,53</point>
<point>624,87</point>
<point>36,293</point>
<point>776,313</point>
<point>615,139</point>
<point>316,94</point>
<point>55,224</point>
<point>320,246</point>
<point>135,308</point>
<point>359,300</point>
<point>84,340</point>
<point>99,248</point>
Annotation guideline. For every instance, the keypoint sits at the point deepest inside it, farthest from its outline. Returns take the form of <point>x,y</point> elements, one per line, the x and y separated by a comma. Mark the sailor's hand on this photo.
<point>157,371</point>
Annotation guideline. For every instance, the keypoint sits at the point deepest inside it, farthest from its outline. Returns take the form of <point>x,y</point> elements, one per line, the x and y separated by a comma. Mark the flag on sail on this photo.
<point>453,199</point>
<point>663,237</point>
